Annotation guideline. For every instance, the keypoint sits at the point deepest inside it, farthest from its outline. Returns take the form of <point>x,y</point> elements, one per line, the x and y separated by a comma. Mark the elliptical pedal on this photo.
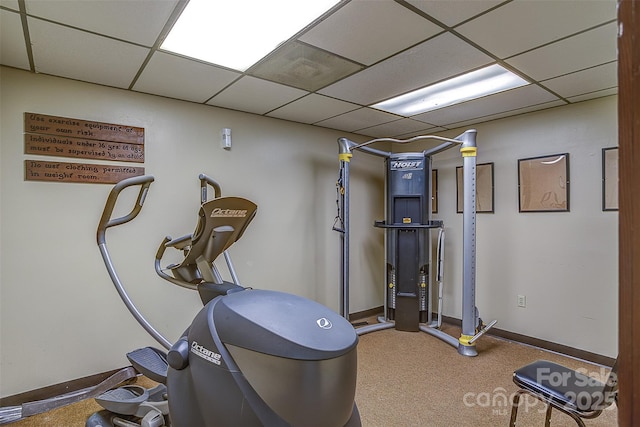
<point>135,405</point>
<point>132,406</point>
<point>123,400</point>
<point>150,362</point>
<point>105,418</point>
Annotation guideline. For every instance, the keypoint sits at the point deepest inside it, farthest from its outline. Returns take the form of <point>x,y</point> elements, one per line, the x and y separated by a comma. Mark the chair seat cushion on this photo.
<point>563,386</point>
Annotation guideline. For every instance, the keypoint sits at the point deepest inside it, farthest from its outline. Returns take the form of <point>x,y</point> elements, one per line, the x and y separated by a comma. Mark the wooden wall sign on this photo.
<point>36,170</point>
<point>46,135</point>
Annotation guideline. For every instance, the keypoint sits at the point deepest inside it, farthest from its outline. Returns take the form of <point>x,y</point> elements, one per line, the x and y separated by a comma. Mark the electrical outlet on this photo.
<point>522,301</point>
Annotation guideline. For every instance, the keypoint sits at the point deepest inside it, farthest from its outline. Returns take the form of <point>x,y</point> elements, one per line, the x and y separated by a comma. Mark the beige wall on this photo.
<point>61,319</point>
<point>60,315</point>
<point>565,263</point>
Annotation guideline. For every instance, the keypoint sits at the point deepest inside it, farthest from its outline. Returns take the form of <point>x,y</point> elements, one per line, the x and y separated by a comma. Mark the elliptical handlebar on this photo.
<point>106,221</point>
<point>204,180</point>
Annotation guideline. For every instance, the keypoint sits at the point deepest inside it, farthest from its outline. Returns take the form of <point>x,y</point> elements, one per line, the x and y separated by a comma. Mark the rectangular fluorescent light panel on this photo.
<point>476,84</point>
<point>238,33</point>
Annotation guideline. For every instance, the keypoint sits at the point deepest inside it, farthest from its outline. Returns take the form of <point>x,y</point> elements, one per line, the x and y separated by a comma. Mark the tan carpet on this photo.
<point>414,379</point>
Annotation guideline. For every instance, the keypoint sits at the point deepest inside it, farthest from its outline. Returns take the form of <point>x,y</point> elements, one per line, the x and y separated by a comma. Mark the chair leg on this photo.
<point>514,408</point>
<point>547,419</point>
<point>578,420</point>
<point>547,416</point>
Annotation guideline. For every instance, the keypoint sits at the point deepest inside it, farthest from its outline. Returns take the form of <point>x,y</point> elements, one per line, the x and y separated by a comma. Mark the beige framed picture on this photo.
<point>610,179</point>
<point>543,183</point>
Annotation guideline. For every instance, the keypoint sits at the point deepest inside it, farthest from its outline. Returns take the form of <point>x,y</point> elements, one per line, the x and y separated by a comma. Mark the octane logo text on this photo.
<point>229,213</point>
<point>205,353</point>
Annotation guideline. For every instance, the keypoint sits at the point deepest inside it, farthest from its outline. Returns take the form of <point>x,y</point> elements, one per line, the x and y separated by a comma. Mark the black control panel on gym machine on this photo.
<point>408,224</point>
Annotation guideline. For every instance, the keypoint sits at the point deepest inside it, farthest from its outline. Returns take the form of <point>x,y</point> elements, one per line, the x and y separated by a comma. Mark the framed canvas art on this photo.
<point>543,183</point>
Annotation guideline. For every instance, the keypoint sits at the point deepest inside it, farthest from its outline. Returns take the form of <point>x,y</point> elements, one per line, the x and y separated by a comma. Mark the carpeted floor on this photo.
<point>414,379</point>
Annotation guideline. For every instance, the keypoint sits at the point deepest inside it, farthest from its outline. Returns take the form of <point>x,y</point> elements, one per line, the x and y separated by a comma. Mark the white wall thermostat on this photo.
<point>226,138</point>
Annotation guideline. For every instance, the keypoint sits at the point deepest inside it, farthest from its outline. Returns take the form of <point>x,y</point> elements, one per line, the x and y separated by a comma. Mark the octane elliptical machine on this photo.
<point>249,358</point>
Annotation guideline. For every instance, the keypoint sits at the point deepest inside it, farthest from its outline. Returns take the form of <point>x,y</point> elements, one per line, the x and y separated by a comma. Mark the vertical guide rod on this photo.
<point>469,311</point>
<point>344,197</point>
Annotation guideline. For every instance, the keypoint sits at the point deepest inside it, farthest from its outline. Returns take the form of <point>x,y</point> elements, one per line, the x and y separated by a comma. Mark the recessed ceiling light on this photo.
<point>476,84</point>
<point>238,33</point>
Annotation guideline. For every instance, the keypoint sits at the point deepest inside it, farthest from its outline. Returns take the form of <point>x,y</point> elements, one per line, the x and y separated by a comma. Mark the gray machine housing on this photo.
<point>278,359</point>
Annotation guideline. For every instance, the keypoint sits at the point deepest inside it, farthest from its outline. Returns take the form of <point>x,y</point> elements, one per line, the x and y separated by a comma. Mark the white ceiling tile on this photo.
<point>493,104</point>
<point>13,49</point>
<point>428,131</point>
<point>417,67</point>
<point>451,13</point>
<point>138,21</point>
<point>585,81</point>
<point>525,24</point>
<point>585,50</point>
<point>593,95</point>
<point>303,66</point>
<point>358,119</point>
<point>65,52</point>
<point>397,127</point>
<point>361,31</point>
<point>255,95</point>
<point>181,78</point>
<point>312,108</point>
<point>11,4</point>
<point>519,111</point>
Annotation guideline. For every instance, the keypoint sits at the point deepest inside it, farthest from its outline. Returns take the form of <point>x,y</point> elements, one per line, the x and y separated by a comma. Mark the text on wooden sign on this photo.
<point>63,126</point>
<point>36,170</point>
<point>49,145</point>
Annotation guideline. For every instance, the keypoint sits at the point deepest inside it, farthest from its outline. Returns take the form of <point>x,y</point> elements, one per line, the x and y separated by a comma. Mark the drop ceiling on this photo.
<point>359,53</point>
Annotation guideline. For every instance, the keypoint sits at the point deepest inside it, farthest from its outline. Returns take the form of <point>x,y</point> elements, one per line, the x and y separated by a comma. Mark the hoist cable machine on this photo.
<point>408,226</point>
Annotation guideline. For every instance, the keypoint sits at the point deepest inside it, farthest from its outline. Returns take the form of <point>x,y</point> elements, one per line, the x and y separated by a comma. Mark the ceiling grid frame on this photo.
<point>461,23</point>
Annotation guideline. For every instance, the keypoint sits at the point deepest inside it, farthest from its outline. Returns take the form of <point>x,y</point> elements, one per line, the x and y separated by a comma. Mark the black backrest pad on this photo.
<point>221,223</point>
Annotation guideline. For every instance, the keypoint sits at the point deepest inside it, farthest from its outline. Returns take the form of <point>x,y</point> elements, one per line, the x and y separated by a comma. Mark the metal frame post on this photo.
<point>469,312</point>
<point>344,158</point>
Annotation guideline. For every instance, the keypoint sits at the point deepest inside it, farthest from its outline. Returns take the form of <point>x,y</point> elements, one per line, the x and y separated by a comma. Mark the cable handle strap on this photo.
<point>338,223</point>
<point>106,221</point>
